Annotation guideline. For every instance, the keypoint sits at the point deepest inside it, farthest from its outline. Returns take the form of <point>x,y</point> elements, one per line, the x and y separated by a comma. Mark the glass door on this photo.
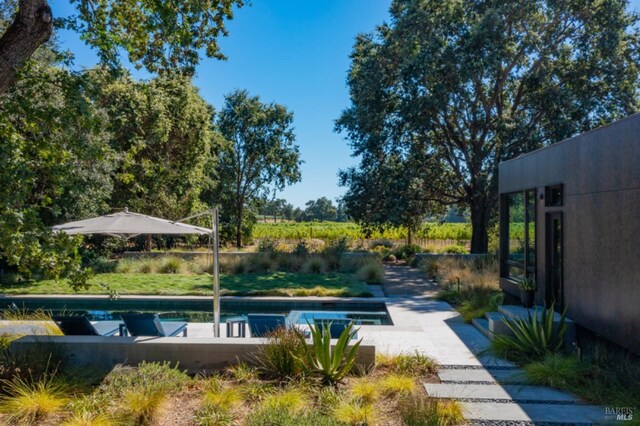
<point>554,290</point>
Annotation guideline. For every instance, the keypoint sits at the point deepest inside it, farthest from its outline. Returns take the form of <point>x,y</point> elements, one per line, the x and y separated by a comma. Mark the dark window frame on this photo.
<point>506,263</point>
<point>548,195</point>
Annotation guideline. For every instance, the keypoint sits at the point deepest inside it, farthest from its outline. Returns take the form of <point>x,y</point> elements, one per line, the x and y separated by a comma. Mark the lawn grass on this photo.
<point>275,284</point>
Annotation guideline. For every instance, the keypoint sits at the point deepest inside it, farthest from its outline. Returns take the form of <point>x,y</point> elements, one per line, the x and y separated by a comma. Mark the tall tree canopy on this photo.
<point>156,35</point>
<point>55,165</point>
<point>163,132</point>
<point>260,156</point>
<point>476,82</point>
<point>321,209</point>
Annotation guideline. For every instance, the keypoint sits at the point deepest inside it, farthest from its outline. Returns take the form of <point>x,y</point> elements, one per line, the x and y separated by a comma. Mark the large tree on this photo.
<point>260,156</point>
<point>321,209</point>
<point>163,132</point>
<point>55,166</point>
<point>156,35</point>
<point>477,82</point>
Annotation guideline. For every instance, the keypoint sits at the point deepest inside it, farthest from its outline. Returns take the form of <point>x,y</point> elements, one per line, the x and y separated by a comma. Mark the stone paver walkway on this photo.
<point>491,391</point>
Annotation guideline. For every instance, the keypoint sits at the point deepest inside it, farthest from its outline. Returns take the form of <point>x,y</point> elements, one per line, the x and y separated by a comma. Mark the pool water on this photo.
<point>293,317</point>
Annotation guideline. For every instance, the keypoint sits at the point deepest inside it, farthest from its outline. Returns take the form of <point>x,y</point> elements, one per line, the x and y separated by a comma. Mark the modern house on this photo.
<point>570,217</point>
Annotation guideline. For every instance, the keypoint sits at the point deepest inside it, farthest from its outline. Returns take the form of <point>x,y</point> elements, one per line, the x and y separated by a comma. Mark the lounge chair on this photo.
<point>150,325</point>
<point>261,325</point>
<point>81,326</point>
<point>336,326</point>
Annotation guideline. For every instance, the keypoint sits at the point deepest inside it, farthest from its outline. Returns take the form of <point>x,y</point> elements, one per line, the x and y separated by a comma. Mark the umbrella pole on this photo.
<point>216,274</point>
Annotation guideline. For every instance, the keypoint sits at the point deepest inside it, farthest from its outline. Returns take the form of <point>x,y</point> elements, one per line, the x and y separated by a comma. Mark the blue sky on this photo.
<point>294,52</point>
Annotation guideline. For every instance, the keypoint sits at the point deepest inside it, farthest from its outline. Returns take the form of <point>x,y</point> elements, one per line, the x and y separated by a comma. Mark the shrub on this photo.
<point>86,418</point>
<point>473,301</point>
<point>390,258</point>
<point>171,265</point>
<point>371,273</point>
<point>293,400</point>
<point>209,415</point>
<point>558,371</point>
<point>331,365</point>
<point>453,249</point>
<point>301,249</point>
<point>410,365</point>
<point>397,384</point>
<point>407,252</point>
<point>533,337</point>
<point>314,265</point>
<point>102,265</point>
<point>29,402</point>
<point>223,398</point>
<point>244,373</point>
<point>272,416</point>
<point>124,266</point>
<point>354,413</point>
<point>146,266</point>
<point>142,406</point>
<point>364,391</point>
<point>260,263</point>
<point>429,267</point>
<point>417,410</point>
<point>37,362</point>
<point>267,245</point>
<point>280,358</point>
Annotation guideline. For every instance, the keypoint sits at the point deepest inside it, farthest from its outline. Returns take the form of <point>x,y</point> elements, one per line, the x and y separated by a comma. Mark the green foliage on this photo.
<point>413,365</point>
<point>557,371</point>
<point>533,338</point>
<point>158,37</point>
<point>609,378</point>
<point>257,138</point>
<point>331,365</point>
<point>354,413</point>
<point>314,265</point>
<point>162,130</point>
<point>365,391</point>
<point>171,265</point>
<point>407,252</point>
<point>423,411</point>
<point>210,415</point>
<point>331,231</point>
<point>282,355</point>
<point>29,402</point>
<point>274,416</point>
<point>397,384</point>
<point>321,209</point>
<point>453,249</point>
<point>527,283</point>
<point>371,272</point>
<point>148,376</point>
<point>447,90</point>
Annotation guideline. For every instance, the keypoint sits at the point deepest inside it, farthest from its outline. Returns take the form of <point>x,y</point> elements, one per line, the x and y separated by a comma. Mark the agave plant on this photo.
<point>331,365</point>
<point>533,337</point>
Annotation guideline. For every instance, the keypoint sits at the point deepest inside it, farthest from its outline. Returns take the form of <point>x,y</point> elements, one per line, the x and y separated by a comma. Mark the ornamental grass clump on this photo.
<point>371,272</point>
<point>314,265</point>
<point>29,402</point>
<point>414,365</point>
<point>282,357</point>
<point>418,410</point>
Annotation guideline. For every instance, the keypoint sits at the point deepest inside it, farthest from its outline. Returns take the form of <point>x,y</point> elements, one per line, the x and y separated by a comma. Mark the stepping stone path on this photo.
<point>500,396</point>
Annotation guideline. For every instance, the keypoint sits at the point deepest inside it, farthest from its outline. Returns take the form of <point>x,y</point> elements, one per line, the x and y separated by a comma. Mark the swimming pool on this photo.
<point>197,309</point>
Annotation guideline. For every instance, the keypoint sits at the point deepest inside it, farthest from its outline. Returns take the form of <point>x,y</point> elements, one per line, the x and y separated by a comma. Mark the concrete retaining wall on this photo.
<point>192,353</point>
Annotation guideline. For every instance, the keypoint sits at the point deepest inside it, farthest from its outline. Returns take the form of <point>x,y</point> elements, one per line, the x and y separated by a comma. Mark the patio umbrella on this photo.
<point>127,224</point>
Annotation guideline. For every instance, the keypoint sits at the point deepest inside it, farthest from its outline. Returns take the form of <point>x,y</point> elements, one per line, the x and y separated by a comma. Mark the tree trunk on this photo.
<point>239,226</point>
<point>409,236</point>
<point>479,228</point>
<point>31,27</point>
